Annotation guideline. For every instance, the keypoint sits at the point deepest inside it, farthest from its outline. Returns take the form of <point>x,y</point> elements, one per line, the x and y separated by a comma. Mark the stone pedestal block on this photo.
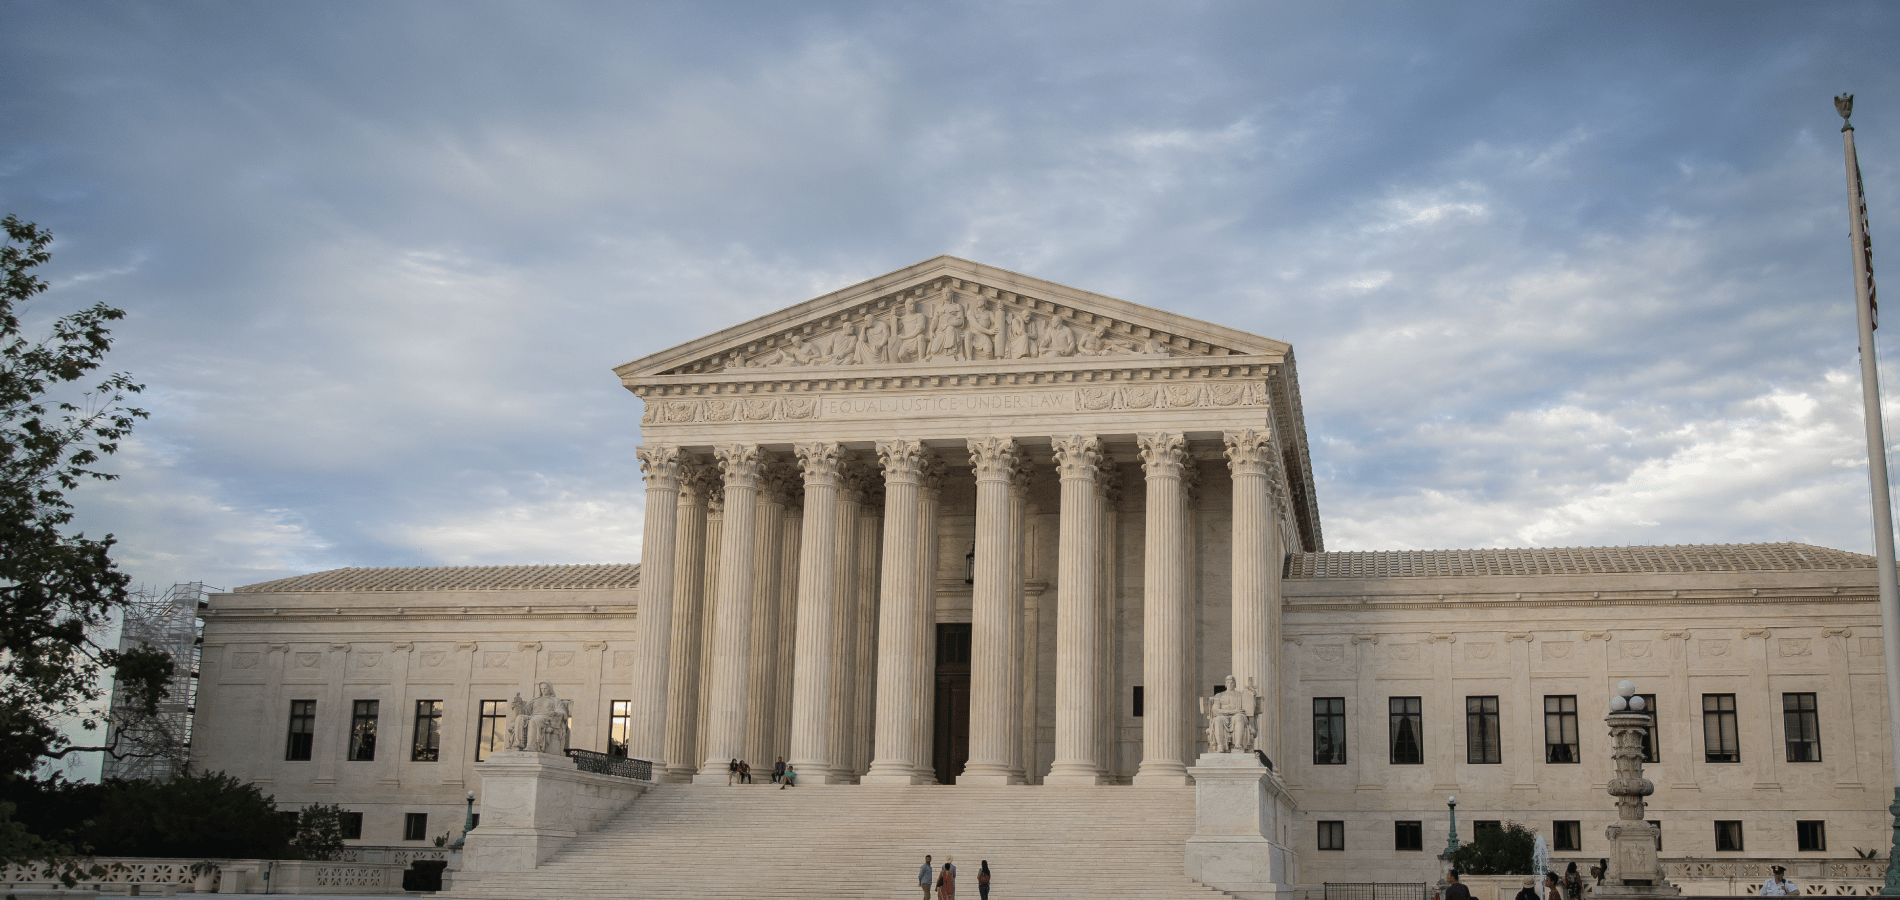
<point>532,803</point>
<point>1238,808</point>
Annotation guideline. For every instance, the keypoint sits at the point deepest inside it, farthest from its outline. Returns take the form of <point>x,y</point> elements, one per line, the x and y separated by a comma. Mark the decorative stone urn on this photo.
<point>1635,870</point>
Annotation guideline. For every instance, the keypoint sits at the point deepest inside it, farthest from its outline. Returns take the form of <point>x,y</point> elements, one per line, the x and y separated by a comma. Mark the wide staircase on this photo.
<point>759,842</point>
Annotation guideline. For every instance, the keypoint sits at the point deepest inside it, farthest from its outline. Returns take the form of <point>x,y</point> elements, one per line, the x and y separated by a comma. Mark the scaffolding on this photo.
<point>158,746</point>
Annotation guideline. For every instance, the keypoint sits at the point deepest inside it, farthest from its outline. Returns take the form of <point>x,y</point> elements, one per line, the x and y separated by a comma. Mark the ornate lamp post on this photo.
<point>468,822</point>
<point>1451,843</point>
<point>1635,871</point>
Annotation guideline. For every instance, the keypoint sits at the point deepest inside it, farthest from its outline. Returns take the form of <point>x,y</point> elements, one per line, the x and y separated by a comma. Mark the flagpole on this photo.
<point>1876,473</point>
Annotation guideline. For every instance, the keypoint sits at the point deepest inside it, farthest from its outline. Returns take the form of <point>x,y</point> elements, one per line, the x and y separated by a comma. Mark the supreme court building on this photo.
<point>960,526</point>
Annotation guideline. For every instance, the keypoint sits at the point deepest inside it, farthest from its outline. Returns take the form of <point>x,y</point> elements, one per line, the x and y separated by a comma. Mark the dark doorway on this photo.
<point>953,701</point>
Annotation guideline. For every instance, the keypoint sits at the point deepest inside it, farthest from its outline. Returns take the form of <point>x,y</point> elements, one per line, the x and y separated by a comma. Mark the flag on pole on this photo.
<point>1866,238</point>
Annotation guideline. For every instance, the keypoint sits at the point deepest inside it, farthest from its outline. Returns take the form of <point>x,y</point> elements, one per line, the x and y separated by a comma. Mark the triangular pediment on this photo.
<point>950,313</point>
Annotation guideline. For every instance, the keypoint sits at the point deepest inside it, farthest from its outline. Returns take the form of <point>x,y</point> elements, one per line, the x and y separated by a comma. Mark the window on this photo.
<point>1482,744</point>
<point>1652,748</point>
<point>1560,729</point>
<point>491,729</point>
<point>1658,825</point>
<point>415,826</point>
<point>1719,740</point>
<point>363,731</point>
<point>1566,836</point>
<point>1137,702</point>
<point>1810,836</point>
<point>1408,836</point>
<point>303,730</point>
<point>1332,835</point>
<point>620,714</point>
<point>1802,722</point>
<point>352,826</point>
<point>1329,731</point>
<point>428,746</point>
<point>1407,726</point>
<point>1484,824</point>
<point>1728,835</point>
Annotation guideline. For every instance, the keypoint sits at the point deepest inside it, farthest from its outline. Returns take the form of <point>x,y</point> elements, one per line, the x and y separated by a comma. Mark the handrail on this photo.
<point>605,764</point>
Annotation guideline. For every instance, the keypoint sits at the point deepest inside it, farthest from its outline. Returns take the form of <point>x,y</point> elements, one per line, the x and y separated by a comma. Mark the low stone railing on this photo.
<point>1723,877</point>
<point>402,856</point>
<point>166,877</point>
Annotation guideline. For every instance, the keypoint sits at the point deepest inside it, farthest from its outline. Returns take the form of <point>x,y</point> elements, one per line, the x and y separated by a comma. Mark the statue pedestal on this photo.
<point>531,804</point>
<point>1238,809</point>
<point>1635,872</point>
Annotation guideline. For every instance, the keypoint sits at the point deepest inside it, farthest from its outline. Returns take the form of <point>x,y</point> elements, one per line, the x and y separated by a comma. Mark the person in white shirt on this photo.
<point>1779,886</point>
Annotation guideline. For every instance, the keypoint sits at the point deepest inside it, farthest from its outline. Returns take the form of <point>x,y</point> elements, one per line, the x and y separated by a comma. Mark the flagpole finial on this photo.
<point>1844,104</point>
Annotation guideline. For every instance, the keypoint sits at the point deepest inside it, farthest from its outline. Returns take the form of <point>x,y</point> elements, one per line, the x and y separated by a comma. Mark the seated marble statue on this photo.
<point>538,725</point>
<point>1230,718</point>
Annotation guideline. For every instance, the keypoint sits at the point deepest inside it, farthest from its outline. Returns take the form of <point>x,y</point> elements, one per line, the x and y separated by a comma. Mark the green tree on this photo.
<point>190,816</point>
<point>1497,851</point>
<point>319,831</point>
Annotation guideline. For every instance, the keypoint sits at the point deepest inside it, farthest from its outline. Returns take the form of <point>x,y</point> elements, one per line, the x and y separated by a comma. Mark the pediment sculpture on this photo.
<point>954,327</point>
<point>1233,718</point>
<point>539,725</point>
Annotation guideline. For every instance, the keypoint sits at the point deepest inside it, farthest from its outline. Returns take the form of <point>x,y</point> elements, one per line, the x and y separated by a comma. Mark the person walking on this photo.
<point>1553,887</point>
<point>790,779</point>
<point>778,770</point>
<point>732,772</point>
<point>923,877</point>
<point>1455,890</point>
<point>983,882</point>
<point>947,879</point>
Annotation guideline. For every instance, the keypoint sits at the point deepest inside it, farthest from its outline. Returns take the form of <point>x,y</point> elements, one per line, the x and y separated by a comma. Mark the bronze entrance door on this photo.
<point>953,701</point>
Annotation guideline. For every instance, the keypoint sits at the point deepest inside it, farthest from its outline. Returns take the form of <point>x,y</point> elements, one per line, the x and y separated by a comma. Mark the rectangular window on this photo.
<point>303,730</point>
<point>1482,742</point>
<point>1485,824</point>
<point>352,826</point>
<point>415,826</point>
<point>1560,729</point>
<point>1802,722</point>
<point>1658,824</point>
<point>1332,835</point>
<point>1720,741</point>
<point>363,730</point>
<point>1810,837</point>
<point>491,728</point>
<point>1728,836</point>
<point>1408,836</point>
<point>1137,702</point>
<point>1329,731</point>
<point>1407,726</point>
<point>620,715</point>
<point>1652,748</point>
<point>1566,836</point>
<point>428,746</point>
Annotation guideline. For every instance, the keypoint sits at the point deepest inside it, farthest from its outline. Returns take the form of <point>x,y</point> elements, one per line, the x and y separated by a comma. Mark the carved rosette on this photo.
<point>1162,453</point>
<point>740,463</point>
<point>820,461</point>
<point>661,465</point>
<point>903,461</point>
<point>995,458</point>
<point>1250,452</point>
<point>1077,456</point>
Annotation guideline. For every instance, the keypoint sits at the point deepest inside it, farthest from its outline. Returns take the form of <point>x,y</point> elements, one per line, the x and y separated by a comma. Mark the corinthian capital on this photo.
<point>1162,453</point>
<point>698,481</point>
<point>820,460</point>
<point>1077,456</point>
<point>930,477</point>
<point>661,466</point>
<point>995,458</point>
<point>903,461</point>
<point>1250,452</point>
<point>741,464</point>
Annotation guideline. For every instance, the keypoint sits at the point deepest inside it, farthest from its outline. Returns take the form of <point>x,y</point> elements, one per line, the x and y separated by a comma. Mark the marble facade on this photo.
<point>1117,501</point>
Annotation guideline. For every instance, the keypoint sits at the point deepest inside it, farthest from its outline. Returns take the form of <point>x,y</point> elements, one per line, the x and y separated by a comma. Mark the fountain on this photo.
<point>1540,859</point>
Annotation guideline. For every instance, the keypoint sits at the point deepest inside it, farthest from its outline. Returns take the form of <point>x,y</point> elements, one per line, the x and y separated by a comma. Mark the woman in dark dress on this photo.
<point>983,881</point>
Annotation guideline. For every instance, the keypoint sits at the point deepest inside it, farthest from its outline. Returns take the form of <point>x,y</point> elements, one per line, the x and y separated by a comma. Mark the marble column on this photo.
<point>1164,648</point>
<point>994,460</point>
<point>732,632</point>
<point>1107,494</point>
<point>812,669</point>
<point>786,639</point>
<point>929,500</point>
<point>653,639</point>
<point>1017,544</point>
<point>865,635</point>
<point>689,581</point>
<point>1255,566</point>
<point>844,618</point>
<point>901,616</point>
<point>762,646</point>
<point>709,610</point>
<point>1077,681</point>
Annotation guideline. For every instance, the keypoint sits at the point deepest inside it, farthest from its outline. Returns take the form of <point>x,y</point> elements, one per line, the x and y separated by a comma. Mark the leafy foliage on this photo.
<point>57,590</point>
<point>192,815</point>
<point>1497,851</point>
<point>319,831</point>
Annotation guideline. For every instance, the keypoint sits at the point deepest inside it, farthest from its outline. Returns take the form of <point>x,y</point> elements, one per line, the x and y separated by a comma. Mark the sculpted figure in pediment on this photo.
<point>844,346</point>
<point>1017,340</point>
<point>983,331</point>
<point>1058,339</point>
<point>911,335</point>
<point>949,338</point>
<point>798,352</point>
<point>878,342</point>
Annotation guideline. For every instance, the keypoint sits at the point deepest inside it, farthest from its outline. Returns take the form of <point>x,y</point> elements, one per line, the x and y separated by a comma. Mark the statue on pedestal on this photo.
<point>1231,718</point>
<point>538,725</point>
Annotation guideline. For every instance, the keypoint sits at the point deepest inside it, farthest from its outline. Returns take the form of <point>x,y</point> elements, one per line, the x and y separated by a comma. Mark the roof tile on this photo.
<point>1783,557</point>
<point>456,578</point>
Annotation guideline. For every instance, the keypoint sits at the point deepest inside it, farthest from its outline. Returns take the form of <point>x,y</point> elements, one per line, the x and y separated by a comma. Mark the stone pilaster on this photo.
<point>995,460</point>
<point>1077,682</point>
<point>653,640</point>
<point>1017,543</point>
<point>844,618</point>
<point>1256,567</point>
<point>900,670</point>
<point>762,647</point>
<point>732,631</point>
<point>786,639</point>
<point>1164,649</point>
<point>865,635</point>
<point>812,670</point>
<point>929,500</point>
<point>689,581</point>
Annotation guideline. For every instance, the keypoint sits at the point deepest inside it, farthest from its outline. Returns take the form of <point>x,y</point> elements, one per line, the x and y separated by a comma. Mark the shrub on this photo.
<point>1497,851</point>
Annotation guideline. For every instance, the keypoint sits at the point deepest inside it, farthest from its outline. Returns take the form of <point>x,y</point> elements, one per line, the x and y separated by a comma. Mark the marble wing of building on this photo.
<point>957,527</point>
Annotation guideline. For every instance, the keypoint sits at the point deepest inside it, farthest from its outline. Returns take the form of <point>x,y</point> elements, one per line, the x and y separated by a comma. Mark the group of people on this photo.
<point>1570,885</point>
<point>739,771</point>
<point>954,329</point>
<point>944,880</point>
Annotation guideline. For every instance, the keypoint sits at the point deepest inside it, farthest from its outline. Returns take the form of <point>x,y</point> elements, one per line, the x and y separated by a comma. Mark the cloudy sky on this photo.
<point>1557,274</point>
